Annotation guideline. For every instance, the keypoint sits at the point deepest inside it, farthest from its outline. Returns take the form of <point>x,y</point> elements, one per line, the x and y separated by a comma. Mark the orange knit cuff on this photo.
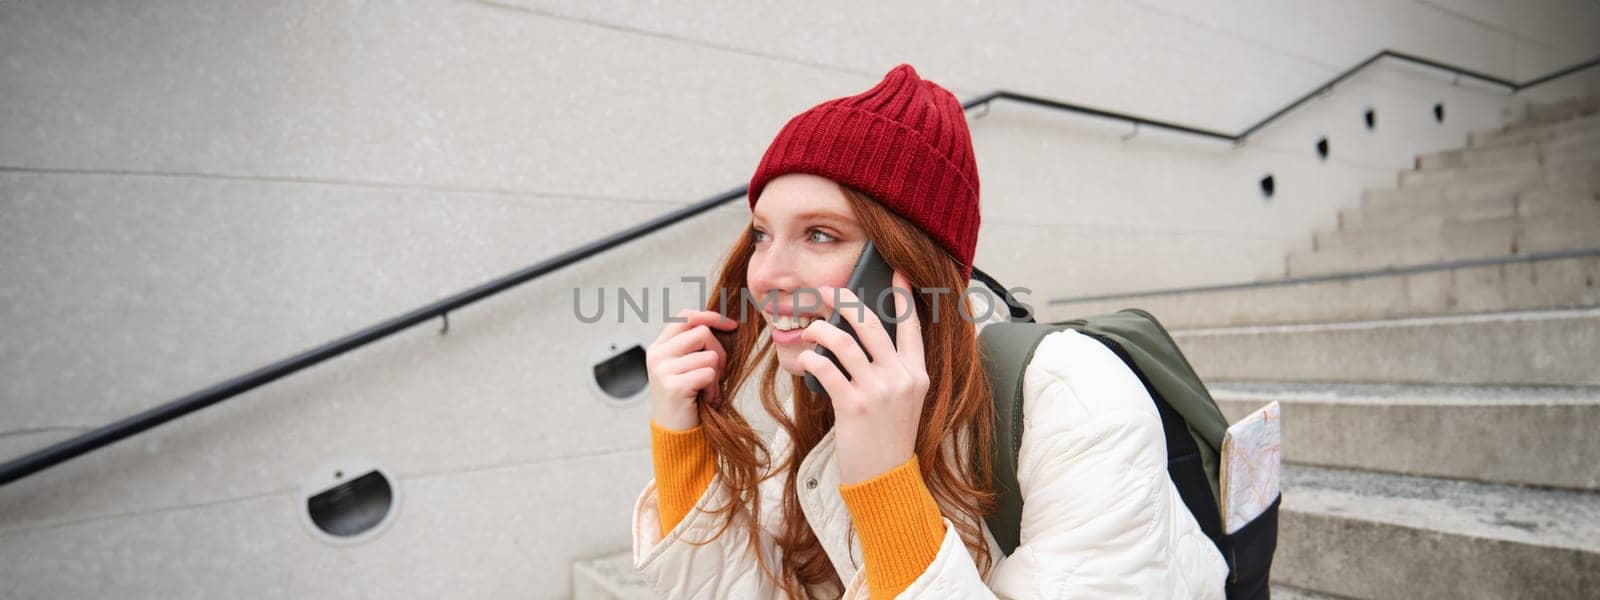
<point>899,524</point>
<point>684,467</point>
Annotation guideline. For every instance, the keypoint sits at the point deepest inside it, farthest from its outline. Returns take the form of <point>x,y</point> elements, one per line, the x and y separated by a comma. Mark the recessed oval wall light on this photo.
<point>617,373</point>
<point>348,501</point>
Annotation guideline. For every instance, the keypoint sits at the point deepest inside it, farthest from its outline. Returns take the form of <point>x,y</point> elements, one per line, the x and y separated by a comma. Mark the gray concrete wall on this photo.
<point>189,190</point>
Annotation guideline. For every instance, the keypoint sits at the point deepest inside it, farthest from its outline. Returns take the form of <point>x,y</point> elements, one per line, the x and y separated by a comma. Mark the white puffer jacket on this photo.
<point>1100,517</point>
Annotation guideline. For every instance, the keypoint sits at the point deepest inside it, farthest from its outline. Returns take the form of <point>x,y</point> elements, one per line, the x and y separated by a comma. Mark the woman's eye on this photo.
<point>817,232</point>
<point>757,236</point>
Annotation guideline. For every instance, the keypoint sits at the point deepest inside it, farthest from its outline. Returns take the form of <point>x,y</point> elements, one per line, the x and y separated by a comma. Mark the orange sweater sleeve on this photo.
<point>900,527</point>
<point>684,467</point>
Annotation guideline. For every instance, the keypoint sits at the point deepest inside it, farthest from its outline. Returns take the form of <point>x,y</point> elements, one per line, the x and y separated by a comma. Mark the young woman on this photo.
<point>879,490</point>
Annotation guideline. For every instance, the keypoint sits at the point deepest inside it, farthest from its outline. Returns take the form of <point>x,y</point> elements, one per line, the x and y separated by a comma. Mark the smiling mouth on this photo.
<point>790,323</point>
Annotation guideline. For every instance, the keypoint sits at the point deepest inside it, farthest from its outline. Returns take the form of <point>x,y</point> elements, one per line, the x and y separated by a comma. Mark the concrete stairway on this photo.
<point>1435,358</point>
<point>610,577</point>
<point>1434,355</point>
<point>1526,190</point>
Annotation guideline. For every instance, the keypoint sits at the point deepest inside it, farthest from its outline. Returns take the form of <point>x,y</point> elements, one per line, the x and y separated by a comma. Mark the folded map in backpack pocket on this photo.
<point>1250,467</point>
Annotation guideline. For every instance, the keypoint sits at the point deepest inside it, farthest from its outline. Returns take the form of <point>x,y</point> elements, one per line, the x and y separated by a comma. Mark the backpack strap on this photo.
<point>1006,349</point>
<point>1186,464</point>
<point>1150,350</point>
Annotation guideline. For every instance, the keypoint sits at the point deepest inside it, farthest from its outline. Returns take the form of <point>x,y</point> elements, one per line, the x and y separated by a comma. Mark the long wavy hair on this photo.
<point>957,424</point>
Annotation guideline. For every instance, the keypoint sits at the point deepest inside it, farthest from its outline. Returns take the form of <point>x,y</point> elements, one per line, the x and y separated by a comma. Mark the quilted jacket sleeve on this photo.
<point>1100,517</point>
<point>676,566</point>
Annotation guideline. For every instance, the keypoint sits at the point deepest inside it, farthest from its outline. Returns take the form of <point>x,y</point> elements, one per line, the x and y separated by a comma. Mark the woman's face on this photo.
<point>806,237</point>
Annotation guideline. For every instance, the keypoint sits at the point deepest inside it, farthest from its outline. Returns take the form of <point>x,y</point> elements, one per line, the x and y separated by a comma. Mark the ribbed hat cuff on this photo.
<point>890,162</point>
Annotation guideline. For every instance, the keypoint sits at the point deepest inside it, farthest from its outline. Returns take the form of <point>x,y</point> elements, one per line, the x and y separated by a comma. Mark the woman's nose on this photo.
<point>774,268</point>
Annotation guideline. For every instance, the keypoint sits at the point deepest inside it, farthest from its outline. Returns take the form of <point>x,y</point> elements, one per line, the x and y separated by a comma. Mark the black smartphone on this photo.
<point>870,280</point>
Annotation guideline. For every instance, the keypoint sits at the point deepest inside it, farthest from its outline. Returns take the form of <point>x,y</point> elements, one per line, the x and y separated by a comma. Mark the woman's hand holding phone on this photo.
<point>684,361</point>
<point>878,410</point>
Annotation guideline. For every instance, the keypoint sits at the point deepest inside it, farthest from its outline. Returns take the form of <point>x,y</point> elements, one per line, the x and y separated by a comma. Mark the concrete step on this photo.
<point>1535,284</point>
<point>1554,347</point>
<point>1517,175</point>
<point>1421,228</point>
<point>1578,176</point>
<point>1368,535</point>
<point>1283,592</point>
<point>1397,211</point>
<point>1542,112</point>
<point>1391,211</point>
<point>609,577</point>
<point>1326,262</point>
<point>1526,435</point>
<point>1553,151</point>
<point>1574,176</point>
<point>1536,132</point>
<point>1537,201</point>
<point>1524,173</point>
<point>1445,192</point>
<point>1378,212</point>
<point>1581,145</point>
<point>1434,240</point>
<point>1563,230</point>
<point>1477,157</point>
<point>1452,236</point>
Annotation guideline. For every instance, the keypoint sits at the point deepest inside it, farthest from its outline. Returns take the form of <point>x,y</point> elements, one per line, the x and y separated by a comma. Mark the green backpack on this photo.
<point>1192,423</point>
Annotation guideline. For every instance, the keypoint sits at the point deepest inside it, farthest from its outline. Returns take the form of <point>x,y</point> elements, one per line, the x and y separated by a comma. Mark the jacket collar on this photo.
<point>817,486</point>
<point>824,508</point>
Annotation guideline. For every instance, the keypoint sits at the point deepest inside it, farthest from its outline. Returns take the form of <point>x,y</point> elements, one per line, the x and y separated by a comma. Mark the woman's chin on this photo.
<point>789,361</point>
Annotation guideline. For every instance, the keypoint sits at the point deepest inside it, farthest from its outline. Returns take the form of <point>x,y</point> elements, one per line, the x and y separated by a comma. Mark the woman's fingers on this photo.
<point>684,364</point>
<point>674,347</point>
<point>671,329</point>
<point>692,361</point>
<point>866,322</point>
<point>709,342</point>
<point>827,374</point>
<point>691,382</point>
<point>684,361</point>
<point>697,338</point>
<point>691,318</point>
<point>908,332</point>
<point>840,343</point>
<point>874,340</point>
<point>716,324</point>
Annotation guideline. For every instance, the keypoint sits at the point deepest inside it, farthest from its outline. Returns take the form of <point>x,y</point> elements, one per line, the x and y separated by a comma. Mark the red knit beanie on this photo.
<point>903,142</point>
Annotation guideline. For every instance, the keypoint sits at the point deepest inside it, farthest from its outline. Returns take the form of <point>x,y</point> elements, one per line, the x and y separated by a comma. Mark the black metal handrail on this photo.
<point>1137,121</point>
<point>94,439</point>
<point>68,449</point>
